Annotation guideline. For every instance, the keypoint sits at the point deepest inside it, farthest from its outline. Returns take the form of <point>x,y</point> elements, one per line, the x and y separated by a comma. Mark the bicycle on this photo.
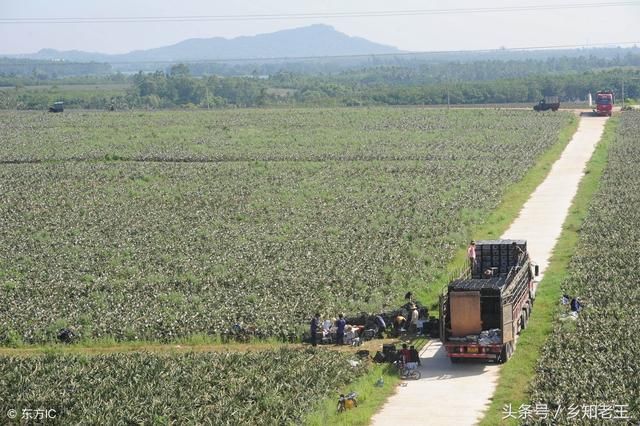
<point>347,402</point>
<point>408,372</point>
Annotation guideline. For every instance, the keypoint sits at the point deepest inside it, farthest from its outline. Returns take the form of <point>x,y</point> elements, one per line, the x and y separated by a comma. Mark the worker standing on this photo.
<point>314,329</point>
<point>519,252</point>
<point>414,357</point>
<point>471,254</point>
<point>414,318</point>
<point>340,325</point>
<point>380,325</point>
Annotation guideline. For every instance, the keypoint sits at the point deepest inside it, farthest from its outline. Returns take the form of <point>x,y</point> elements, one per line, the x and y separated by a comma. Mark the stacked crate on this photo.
<point>497,255</point>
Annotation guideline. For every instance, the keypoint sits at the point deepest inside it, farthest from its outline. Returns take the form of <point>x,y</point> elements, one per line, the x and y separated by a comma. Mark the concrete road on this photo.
<point>459,394</point>
<point>541,218</point>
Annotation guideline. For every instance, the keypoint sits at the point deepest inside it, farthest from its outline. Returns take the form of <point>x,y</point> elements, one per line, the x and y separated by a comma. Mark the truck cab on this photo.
<point>57,107</point>
<point>548,103</point>
<point>484,308</point>
<point>604,102</point>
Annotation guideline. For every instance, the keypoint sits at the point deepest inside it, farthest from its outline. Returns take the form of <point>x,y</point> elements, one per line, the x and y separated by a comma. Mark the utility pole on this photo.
<point>448,98</point>
<point>632,79</point>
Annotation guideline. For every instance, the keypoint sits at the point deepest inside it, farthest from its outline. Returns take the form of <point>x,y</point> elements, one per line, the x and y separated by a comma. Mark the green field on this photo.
<point>594,360</point>
<point>62,88</point>
<point>90,96</point>
<point>269,135</point>
<point>157,226</point>
<point>262,388</point>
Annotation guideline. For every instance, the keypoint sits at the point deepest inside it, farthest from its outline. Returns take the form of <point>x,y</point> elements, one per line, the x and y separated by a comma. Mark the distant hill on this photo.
<point>320,50</point>
<point>314,40</point>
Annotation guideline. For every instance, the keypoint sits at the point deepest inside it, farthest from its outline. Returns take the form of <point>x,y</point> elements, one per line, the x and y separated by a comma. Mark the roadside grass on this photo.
<point>370,398</point>
<point>499,219</point>
<point>103,346</point>
<point>196,343</point>
<point>516,375</point>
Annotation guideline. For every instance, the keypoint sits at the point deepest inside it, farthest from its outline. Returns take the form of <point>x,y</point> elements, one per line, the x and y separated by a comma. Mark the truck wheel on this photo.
<point>521,323</point>
<point>506,353</point>
<point>503,356</point>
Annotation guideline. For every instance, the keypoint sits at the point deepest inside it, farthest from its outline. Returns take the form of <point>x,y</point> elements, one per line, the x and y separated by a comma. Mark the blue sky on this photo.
<point>419,33</point>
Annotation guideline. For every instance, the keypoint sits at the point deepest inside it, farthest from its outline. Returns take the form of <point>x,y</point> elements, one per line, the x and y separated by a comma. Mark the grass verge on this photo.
<point>506,212</point>
<point>196,342</point>
<point>516,375</point>
<point>370,399</point>
<point>371,396</point>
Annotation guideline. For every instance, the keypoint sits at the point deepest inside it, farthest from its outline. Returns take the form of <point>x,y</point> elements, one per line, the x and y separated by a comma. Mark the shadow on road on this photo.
<point>437,366</point>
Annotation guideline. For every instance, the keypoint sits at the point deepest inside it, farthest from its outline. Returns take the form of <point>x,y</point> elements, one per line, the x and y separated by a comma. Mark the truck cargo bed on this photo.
<point>476,284</point>
<point>485,306</point>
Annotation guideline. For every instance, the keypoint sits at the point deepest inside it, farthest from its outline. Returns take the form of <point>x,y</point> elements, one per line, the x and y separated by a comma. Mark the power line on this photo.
<point>298,16</point>
<point>307,58</point>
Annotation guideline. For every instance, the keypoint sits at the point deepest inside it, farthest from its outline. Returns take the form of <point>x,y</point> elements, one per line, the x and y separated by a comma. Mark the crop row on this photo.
<point>261,388</point>
<point>263,135</point>
<point>594,361</point>
<point>138,250</point>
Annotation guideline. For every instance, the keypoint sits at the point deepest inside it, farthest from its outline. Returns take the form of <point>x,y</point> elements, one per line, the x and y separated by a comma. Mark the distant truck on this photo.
<point>482,310</point>
<point>57,107</point>
<point>604,103</point>
<point>548,103</point>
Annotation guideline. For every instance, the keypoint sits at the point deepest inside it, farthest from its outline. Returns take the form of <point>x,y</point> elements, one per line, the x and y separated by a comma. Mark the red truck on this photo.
<point>604,103</point>
<point>483,309</point>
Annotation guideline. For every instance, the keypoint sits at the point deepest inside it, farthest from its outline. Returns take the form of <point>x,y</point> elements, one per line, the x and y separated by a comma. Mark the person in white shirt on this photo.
<point>414,318</point>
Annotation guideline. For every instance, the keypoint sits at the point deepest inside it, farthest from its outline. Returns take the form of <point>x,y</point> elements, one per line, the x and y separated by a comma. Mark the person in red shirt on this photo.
<point>405,354</point>
<point>414,358</point>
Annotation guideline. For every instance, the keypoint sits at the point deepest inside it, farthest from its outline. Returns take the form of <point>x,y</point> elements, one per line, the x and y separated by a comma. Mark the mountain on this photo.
<point>314,40</point>
<point>67,55</point>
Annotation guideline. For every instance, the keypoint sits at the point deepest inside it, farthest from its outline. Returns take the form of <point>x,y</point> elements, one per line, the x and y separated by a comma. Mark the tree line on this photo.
<point>177,88</point>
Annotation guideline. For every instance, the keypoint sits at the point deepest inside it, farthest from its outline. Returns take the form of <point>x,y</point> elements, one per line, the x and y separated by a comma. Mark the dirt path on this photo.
<point>371,345</point>
<point>458,394</point>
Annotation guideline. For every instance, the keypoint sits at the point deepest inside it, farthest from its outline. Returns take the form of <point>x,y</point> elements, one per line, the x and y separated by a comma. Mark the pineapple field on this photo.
<point>264,387</point>
<point>162,225</point>
<point>594,359</point>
